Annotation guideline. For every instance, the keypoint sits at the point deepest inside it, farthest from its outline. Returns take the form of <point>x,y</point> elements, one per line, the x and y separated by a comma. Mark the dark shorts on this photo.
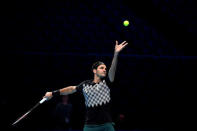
<point>102,127</point>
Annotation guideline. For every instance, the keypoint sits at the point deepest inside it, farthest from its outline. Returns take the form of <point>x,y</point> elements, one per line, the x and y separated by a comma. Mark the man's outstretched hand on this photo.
<point>48,95</point>
<point>119,47</point>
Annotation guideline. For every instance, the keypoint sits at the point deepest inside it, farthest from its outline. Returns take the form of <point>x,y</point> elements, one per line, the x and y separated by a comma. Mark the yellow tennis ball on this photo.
<point>126,23</point>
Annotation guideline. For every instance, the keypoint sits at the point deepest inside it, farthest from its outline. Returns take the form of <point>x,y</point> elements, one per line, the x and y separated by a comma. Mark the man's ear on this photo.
<point>94,71</point>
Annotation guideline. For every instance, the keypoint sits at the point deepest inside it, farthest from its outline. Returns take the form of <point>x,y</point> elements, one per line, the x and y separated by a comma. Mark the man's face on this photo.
<point>100,71</point>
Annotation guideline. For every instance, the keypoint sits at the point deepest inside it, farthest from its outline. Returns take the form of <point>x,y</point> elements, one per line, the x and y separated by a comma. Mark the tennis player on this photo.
<point>96,93</point>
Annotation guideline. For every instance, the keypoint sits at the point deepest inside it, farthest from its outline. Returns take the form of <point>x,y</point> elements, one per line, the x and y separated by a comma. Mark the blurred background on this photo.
<point>47,45</point>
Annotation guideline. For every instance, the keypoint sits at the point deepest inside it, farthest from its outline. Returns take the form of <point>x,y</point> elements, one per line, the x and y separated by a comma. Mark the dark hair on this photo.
<point>96,64</point>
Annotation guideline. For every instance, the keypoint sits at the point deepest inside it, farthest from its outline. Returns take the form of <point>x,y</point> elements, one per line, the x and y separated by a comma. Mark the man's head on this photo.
<point>99,69</point>
<point>65,98</point>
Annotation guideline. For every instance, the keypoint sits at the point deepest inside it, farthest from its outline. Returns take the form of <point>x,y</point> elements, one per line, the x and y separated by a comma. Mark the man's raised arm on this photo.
<point>112,70</point>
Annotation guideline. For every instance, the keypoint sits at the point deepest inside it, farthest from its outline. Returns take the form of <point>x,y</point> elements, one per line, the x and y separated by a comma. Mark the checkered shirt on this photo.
<point>97,94</point>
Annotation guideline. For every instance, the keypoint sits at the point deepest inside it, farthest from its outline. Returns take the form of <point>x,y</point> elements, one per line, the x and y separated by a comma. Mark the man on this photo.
<point>96,93</point>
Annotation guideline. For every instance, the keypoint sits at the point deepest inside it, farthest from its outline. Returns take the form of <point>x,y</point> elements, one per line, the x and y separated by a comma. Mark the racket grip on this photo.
<point>43,100</point>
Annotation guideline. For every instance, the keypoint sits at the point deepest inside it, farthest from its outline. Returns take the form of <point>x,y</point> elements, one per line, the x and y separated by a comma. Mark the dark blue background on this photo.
<point>48,45</point>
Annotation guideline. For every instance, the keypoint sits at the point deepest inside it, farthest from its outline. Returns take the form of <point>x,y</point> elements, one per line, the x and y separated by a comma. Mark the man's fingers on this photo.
<point>123,42</point>
<point>125,45</point>
<point>116,42</point>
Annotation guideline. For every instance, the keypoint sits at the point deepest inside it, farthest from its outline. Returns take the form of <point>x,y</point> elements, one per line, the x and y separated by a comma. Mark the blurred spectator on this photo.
<point>63,113</point>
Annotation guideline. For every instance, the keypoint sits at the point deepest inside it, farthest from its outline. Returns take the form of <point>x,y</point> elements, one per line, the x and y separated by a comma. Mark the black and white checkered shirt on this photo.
<point>97,100</point>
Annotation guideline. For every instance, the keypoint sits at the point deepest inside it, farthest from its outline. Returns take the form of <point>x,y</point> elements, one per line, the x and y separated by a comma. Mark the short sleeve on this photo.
<point>108,82</point>
<point>79,87</point>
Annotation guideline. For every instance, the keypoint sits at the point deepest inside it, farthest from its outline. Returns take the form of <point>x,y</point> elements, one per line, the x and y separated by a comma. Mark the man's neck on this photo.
<point>96,79</point>
<point>64,102</point>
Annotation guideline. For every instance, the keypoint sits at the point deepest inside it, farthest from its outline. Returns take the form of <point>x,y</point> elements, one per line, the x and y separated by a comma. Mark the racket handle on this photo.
<point>43,100</point>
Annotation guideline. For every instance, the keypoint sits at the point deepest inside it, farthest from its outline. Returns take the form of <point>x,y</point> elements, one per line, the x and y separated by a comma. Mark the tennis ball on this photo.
<point>126,23</point>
